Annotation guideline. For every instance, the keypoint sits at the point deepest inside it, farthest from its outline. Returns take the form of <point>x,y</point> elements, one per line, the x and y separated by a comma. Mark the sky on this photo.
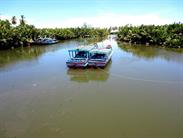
<point>96,13</point>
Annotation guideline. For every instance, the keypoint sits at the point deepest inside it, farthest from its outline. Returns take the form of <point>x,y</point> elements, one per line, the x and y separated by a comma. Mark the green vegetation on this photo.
<point>13,35</point>
<point>165,35</point>
<point>70,33</point>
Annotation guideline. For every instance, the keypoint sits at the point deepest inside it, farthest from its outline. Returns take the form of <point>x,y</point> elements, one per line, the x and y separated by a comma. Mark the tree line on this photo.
<point>13,34</point>
<point>164,35</point>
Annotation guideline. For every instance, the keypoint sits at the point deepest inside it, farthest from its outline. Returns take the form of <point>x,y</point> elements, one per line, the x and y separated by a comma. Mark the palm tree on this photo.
<point>14,20</point>
<point>22,20</point>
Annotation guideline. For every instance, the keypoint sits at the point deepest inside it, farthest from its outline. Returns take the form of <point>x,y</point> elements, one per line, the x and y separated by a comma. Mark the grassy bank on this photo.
<point>164,35</point>
<point>13,35</point>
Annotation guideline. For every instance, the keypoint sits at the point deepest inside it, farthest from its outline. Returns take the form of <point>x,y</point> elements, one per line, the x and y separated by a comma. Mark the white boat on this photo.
<point>79,56</point>
<point>45,41</point>
<point>99,57</point>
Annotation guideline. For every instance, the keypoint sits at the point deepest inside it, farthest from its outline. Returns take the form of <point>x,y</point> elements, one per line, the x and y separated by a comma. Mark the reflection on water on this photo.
<point>89,74</point>
<point>12,57</point>
<point>148,52</point>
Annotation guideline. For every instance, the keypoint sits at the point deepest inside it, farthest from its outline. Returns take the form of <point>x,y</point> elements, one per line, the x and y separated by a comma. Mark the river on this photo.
<point>138,95</point>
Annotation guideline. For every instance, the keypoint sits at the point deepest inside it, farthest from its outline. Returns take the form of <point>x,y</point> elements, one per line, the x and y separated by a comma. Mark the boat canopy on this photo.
<point>100,51</point>
<point>81,51</point>
<point>85,48</point>
<point>105,44</point>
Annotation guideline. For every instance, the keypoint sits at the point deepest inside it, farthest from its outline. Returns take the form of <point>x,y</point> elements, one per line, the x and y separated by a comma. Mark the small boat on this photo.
<point>99,57</point>
<point>79,56</point>
<point>45,41</point>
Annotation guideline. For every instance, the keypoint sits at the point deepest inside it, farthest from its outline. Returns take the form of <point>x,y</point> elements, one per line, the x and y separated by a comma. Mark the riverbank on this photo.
<point>12,36</point>
<point>170,36</point>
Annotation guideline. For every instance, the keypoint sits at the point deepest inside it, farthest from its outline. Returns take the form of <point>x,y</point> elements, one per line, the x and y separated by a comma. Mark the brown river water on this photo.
<point>138,95</point>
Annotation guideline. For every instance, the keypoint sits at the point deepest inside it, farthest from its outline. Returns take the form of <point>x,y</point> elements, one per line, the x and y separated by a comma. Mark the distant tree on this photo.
<point>14,20</point>
<point>85,25</point>
<point>22,20</point>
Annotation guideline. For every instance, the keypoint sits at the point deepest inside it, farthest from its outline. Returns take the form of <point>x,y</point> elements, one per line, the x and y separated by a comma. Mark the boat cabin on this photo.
<point>100,53</point>
<point>99,57</point>
<point>81,52</point>
<point>79,56</point>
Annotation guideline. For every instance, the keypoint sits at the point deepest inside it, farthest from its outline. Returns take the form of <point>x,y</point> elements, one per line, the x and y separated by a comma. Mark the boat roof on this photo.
<point>83,48</point>
<point>103,44</point>
<point>100,51</point>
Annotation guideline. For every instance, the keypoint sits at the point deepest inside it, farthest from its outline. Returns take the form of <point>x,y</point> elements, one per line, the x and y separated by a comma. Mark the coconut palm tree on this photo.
<point>22,20</point>
<point>14,20</point>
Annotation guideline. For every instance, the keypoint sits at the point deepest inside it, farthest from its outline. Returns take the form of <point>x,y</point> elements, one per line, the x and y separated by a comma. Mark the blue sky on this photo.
<point>99,13</point>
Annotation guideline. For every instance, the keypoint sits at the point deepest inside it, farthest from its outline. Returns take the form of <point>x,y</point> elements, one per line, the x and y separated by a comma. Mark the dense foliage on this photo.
<point>70,33</point>
<point>12,35</point>
<point>164,35</point>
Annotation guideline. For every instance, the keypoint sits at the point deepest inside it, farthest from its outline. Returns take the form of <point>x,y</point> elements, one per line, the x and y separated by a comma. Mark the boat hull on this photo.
<point>71,64</point>
<point>97,64</point>
<point>50,43</point>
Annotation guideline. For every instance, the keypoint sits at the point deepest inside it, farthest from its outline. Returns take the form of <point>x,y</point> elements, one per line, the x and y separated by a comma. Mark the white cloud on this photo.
<point>5,17</point>
<point>103,20</point>
<point>108,20</point>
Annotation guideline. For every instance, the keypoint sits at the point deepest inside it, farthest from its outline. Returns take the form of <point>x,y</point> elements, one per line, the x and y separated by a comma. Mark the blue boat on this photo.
<point>79,57</point>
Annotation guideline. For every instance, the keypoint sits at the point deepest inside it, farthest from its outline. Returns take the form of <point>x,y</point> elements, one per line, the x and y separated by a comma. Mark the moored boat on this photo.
<point>79,56</point>
<point>100,57</point>
<point>45,41</point>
